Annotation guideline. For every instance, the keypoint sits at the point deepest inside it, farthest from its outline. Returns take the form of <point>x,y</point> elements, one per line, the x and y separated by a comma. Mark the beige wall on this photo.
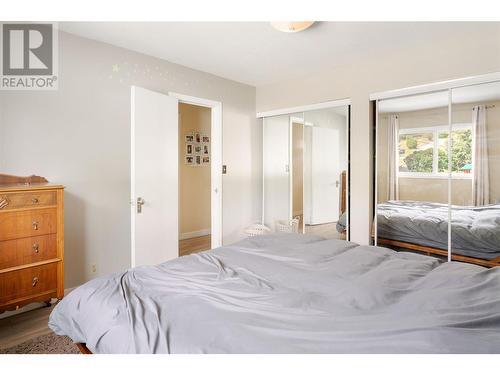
<point>457,55</point>
<point>79,136</point>
<point>194,181</point>
<point>436,189</point>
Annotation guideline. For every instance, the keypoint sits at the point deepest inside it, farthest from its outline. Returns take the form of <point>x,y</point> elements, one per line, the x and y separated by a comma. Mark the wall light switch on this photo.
<point>224,169</point>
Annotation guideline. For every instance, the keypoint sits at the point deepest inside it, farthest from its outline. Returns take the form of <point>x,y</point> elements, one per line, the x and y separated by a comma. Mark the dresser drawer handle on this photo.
<point>34,200</point>
<point>35,281</point>
<point>36,248</point>
<point>35,225</point>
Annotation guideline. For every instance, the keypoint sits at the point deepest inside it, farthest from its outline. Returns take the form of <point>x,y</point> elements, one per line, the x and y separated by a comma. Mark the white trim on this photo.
<point>194,100</point>
<point>437,176</point>
<point>194,234</point>
<point>348,174</point>
<point>375,219</point>
<point>436,86</point>
<point>305,108</point>
<point>290,168</point>
<point>132,176</point>
<point>215,162</point>
<point>450,128</point>
<point>431,129</point>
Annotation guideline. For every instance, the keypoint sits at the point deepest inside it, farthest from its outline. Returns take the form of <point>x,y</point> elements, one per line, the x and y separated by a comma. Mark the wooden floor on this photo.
<point>194,245</point>
<point>22,327</point>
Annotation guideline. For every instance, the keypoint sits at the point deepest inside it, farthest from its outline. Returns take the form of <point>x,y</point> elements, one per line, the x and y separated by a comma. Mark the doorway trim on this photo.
<point>304,108</point>
<point>215,163</point>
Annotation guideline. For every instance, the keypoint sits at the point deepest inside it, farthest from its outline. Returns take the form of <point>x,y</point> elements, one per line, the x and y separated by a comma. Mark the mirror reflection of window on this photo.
<point>412,178</point>
<point>438,173</point>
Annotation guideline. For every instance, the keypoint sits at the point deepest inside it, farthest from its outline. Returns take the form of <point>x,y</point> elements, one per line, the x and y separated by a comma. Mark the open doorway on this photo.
<point>194,178</point>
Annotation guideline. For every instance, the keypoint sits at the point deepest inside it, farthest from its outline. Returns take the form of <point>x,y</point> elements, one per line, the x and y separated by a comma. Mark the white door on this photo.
<point>276,168</point>
<point>325,174</point>
<point>154,177</point>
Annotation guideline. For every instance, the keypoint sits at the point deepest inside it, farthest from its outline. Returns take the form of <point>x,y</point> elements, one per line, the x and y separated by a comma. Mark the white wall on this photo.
<point>455,56</point>
<point>79,136</point>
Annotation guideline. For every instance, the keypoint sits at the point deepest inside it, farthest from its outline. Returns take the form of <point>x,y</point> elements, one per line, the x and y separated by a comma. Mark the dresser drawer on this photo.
<point>27,282</point>
<point>30,199</point>
<point>20,224</point>
<point>27,250</point>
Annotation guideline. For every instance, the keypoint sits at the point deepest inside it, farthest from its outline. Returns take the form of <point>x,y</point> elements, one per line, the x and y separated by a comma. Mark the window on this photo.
<point>423,152</point>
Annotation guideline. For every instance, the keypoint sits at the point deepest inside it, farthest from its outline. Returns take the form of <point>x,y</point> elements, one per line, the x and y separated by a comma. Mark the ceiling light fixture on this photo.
<point>291,27</point>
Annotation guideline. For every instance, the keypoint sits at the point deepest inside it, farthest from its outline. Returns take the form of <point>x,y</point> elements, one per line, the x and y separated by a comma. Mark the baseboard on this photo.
<point>197,233</point>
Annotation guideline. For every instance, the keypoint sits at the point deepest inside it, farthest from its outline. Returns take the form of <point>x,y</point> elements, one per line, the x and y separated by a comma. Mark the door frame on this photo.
<point>215,162</point>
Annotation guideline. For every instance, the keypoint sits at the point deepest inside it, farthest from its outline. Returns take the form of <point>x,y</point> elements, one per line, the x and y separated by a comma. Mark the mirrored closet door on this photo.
<point>437,173</point>
<point>305,164</point>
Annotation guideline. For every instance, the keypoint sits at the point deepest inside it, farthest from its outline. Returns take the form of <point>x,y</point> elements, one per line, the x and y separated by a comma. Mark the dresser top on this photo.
<point>20,183</point>
<point>32,186</point>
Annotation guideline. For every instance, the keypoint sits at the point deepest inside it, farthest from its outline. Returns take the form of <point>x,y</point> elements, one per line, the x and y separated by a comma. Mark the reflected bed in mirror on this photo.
<point>438,174</point>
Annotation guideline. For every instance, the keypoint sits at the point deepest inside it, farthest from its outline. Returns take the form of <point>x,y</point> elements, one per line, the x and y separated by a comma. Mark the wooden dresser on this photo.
<point>31,241</point>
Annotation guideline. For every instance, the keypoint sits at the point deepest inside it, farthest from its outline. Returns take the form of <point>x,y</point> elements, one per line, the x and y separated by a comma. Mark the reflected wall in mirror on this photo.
<point>306,172</point>
<point>412,174</point>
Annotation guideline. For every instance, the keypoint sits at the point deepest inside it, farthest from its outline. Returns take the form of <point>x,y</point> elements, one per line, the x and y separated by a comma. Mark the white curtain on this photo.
<point>481,183</point>
<point>392,159</point>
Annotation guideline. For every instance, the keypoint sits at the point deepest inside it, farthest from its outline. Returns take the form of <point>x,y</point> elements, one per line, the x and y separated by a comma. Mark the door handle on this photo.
<point>140,203</point>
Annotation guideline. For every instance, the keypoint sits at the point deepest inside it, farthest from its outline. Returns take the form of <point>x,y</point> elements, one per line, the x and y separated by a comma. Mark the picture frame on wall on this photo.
<point>197,149</point>
<point>206,150</point>
<point>189,159</point>
<point>189,138</point>
<point>197,137</point>
<point>205,160</point>
<point>189,149</point>
<point>198,159</point>
<point>205,138</point>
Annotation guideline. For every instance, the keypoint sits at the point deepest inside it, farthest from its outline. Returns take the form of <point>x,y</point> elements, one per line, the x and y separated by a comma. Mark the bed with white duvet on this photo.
<point>288,294</point>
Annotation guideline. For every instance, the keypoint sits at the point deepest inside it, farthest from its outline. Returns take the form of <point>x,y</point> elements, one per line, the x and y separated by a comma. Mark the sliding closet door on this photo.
<point>412,173</point>
<point>154,177</point>
<point>325,172</point>
<point>276,169</point>
<point>475,171</point>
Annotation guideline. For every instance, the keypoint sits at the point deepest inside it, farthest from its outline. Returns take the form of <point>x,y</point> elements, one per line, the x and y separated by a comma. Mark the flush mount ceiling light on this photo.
<point>291,27</point>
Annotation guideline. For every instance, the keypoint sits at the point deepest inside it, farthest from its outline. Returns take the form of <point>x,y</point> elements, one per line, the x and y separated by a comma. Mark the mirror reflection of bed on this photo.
<point>438,181</point>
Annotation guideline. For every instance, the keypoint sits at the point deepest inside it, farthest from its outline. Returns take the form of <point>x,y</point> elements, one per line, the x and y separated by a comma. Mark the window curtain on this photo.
<point>481,180</point>
<point>392,159</point>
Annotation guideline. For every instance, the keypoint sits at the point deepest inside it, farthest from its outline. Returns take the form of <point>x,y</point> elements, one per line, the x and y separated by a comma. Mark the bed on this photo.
<point>288,293</point>
<point>475,231</point>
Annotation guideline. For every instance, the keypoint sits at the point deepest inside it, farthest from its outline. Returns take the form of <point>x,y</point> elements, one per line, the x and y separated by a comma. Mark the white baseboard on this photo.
<point>197,233</point>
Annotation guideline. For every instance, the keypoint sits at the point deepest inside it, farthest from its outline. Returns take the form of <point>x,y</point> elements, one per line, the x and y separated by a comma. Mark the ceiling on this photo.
<point>469,94</point>
<point>256,54</point>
